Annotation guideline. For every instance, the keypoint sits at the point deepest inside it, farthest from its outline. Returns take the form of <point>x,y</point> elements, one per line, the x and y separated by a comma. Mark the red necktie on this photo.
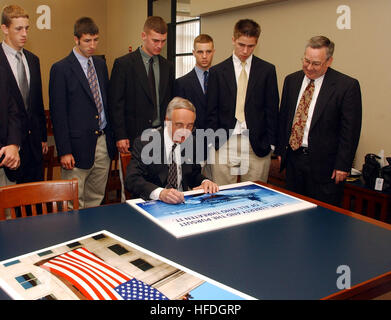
<point>297,133</point>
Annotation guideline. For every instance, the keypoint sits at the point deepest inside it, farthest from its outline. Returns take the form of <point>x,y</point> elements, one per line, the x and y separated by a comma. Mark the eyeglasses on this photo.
<point>179,125</point>
<point>315,64</point>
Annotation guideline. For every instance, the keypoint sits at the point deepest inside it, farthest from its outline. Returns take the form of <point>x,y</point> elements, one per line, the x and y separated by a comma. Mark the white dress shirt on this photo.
<point>318,84</point>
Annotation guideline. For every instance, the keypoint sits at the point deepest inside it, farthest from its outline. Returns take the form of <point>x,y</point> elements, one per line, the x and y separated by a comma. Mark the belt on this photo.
<point>301,150</point>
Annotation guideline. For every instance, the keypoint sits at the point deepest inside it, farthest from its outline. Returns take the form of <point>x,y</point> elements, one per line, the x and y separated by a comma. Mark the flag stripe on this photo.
<point>97,271</point>
<point>88,280</point>
<point>101,284</point>
<point>99,263</point>
<point>78,283</point>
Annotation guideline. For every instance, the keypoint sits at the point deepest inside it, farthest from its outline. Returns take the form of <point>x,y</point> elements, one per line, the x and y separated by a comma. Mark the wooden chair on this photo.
<point>125,159</point>
<point>276,177</point>
<point>52,195</point>
<point>113,185</point>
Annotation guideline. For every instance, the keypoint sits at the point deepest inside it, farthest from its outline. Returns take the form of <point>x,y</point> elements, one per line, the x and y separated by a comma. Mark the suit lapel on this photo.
<point>294,94</point>
<point>229,76</point>
<point>163,82</point>
<point>325,92</point>
<point>13,84</point>
<point>141,72</point>
<point>79,74</point>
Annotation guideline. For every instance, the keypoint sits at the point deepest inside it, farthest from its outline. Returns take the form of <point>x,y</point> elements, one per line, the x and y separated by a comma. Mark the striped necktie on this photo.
<point>93,82</point>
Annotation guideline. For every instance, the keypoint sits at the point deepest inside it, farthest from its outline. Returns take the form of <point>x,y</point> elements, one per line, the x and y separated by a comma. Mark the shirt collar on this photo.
<point>82,59</point>
<point>237,61</point>
<point>9,50</point>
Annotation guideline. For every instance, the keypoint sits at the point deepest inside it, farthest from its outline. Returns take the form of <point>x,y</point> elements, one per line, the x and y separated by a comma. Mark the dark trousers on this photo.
<point>300,180</point>
<point>30,169</point>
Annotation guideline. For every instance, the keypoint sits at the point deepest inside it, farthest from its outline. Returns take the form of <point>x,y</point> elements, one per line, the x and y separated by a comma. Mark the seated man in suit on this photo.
<point>161,167</point>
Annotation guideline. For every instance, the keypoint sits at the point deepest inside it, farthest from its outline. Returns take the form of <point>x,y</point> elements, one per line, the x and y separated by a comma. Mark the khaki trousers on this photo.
<point>237,158</point>
<point>92,182</point>
<point>5,182</point>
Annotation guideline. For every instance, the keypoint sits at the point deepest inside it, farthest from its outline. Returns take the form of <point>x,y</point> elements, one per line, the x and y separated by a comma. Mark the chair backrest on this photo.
<point>125,159</point>
<point>50,196</point>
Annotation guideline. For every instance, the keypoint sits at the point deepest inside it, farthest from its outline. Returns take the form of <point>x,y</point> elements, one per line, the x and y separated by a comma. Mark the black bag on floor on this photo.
<point>371,170</point>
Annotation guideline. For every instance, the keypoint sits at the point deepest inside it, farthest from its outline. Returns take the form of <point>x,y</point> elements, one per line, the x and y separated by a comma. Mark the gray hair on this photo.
<point>322,42</point>
<point>179,103</point>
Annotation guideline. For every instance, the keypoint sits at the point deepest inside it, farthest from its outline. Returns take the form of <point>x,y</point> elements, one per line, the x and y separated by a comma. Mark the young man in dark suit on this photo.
<point>24,78</point>
<point>164,166</point>
<point>193,86</point>
<point>10,133</point>
<point>78,107</point>
<point>141,86</point>
<point>243,105</point>
<point>319,125</point>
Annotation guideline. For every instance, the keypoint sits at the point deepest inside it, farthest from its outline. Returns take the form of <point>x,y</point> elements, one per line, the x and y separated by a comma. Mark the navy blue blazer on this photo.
<point>33,119</point>
<point>189,87</point>
<point>10,120</point>
<point>261,105</point>
<point>73,110</point>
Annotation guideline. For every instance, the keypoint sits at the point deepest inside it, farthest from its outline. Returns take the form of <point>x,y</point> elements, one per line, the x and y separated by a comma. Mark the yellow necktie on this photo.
<point>241,94</point>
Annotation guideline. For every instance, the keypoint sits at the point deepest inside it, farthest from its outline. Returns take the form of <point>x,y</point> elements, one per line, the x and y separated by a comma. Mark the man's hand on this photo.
<point>11,157</point>
<point>45,147</point>
<point>208,186</point>
<point>339,176</point>
<point>171,196</point>
<point>67,161</point>
<point>123,145</point>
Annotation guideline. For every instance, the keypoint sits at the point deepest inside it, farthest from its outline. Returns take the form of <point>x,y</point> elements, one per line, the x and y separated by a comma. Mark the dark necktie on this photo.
<point>151,81</point>
<point>301,115</point>
<point>206,76</point>
<point>93,82</point>
<point>172,180</point>
<point>22,79</point>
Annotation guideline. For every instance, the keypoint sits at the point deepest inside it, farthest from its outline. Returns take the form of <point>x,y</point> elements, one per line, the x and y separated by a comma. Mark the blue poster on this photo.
<point>234,204</point>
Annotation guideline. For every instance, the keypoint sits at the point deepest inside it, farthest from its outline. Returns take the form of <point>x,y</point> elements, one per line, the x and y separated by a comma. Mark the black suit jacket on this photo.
<point>142,178</point>
<point>189,87</point>
<point>335,126</point>
<point>10,120</point>
<point>73,110</point>
<point>131,105</point>
<point>34,121</point>
<point>261,106</point>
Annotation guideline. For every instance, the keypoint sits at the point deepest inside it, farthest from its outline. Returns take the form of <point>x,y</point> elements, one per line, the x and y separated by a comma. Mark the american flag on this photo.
<point>97,280</point>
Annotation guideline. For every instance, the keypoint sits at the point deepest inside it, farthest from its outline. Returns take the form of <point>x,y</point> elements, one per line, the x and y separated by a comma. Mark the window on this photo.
<point>118,249</point>
<point>99,236</point>
<point>142,264</point>
<point>27,281</point>
<point>187,28</point>
<point>48,297</point>
<point>11,263</point>
<point>45,253</point>
<point>74,244</point>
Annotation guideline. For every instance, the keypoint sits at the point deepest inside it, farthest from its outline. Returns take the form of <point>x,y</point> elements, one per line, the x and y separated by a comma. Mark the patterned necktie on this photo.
<point>172,180</point>
<point>22,79</point>
<point>206,77</point>
<point>300,120</point>
<point>93,82</point>
<point>241,94</point>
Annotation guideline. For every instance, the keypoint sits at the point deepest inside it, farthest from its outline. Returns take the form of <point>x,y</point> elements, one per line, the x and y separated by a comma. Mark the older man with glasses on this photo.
<point>319,125</point>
